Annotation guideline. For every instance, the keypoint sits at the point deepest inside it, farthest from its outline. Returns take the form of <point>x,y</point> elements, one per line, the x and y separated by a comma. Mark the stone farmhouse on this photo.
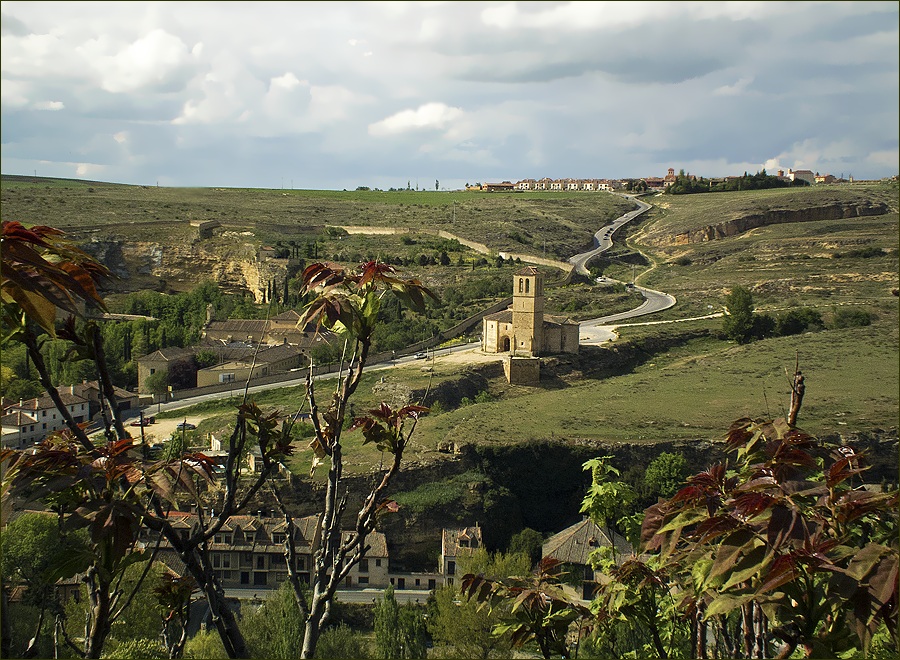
<point>524,328</point>
<point>248,552</point>
<point>573,547</point>
<point>456,543</point>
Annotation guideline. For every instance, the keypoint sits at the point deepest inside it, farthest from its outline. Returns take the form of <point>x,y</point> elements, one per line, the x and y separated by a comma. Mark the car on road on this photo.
<point>144,421</point>
<point>186,426</point>
<point>421,356</point>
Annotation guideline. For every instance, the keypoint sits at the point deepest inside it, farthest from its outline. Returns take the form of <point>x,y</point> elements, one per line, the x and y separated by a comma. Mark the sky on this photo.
<point>336,95</point>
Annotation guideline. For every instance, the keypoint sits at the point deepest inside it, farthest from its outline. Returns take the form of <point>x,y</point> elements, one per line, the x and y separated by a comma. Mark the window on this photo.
<point>152,371</point>
<point>278,538</point>
<point>226,560</point>
<point>363,565</point>
<point>216,560</point>
<point>527,285</point>
<point>451,568</point>
<point>45,426</point>
<point>363,580</point>
<point>301,563</point>
<point>261,561</point>
<point>226,378</point>
<point>378,563</point>
<point>521,285</point>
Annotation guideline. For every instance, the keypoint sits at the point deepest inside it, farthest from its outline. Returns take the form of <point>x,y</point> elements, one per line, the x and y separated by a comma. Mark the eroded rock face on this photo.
<point>773,217</point>
<point>181,265</point>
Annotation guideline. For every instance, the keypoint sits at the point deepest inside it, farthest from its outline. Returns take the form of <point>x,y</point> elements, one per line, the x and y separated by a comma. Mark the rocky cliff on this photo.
<point>230,260</point>
<point>739,225</point>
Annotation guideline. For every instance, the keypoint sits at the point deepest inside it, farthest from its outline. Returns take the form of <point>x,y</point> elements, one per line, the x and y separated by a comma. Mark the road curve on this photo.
<point>654,301</point>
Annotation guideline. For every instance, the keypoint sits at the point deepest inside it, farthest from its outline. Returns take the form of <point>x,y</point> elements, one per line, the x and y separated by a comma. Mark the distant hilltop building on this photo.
<point>524,328</point>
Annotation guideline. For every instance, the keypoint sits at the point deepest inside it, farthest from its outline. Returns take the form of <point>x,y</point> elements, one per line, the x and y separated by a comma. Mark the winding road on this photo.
<point>596,331</point>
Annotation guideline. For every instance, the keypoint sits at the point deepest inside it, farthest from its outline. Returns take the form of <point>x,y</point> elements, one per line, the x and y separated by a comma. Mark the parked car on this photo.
<point>421,356</point>
<point>186,426</point>
<point>144,421</point>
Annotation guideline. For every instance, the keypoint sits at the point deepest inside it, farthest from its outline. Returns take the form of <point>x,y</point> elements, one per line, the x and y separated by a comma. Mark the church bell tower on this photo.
<point>528,311</point>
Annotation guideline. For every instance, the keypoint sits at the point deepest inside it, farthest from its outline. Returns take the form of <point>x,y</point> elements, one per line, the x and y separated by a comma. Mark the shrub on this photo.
<point>796,321</point>
<point>682,261</point>
<point>342,642</point>
<point>849,318</point>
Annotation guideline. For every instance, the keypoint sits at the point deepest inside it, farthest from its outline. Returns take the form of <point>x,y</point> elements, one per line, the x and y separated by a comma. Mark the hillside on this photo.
<point>676,386</point>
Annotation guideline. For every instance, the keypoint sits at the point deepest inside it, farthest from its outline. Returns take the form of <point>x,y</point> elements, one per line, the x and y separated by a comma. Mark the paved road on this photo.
<point>603,238</point>
<point>591,331</point>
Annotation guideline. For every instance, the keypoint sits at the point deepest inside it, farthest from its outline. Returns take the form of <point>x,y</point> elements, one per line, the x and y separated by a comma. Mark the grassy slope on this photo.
<point>515,221</point>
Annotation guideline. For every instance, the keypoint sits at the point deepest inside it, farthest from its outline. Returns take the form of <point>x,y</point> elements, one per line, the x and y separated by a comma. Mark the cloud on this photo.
<point>49,105</point>
<point>428,116</point>
<point>337,93</point>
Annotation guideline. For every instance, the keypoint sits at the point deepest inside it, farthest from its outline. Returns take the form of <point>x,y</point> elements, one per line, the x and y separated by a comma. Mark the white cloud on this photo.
<point>121,137</point>
<point>156,59</point>
<point>49,105</point>
<point>287,81</point>
<point>427,116</point>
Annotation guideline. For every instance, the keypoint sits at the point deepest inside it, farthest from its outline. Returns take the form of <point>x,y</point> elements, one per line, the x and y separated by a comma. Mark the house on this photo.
<point>269,360</point>
<point>160,361</point>
<point>248,551</point>
<point>32,420</point>
<point>456,543</point>
<point>574,545</point>
<point>505,186</point>
<point>279,329</point>
<point>804,175</point>
<point>825,178</point>
<point>524,327</point>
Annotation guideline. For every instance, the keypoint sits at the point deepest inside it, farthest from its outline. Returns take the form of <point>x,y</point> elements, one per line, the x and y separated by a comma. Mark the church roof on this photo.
<point>503,317</point>
<point>528,270</point>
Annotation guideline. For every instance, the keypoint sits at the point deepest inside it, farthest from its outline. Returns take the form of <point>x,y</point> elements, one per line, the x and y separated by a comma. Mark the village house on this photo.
<point>456,543</point>
<point>524,327</point>
<point>248,551</point>
<point>574,545</point>
<point>32,420</point>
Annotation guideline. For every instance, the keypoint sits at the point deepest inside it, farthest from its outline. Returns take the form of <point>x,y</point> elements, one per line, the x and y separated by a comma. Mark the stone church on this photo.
<point>524,329</point>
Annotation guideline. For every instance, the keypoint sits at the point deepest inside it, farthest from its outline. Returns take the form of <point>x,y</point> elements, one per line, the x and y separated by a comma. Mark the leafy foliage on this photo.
<point>541,609</point>
<point>785,538</point>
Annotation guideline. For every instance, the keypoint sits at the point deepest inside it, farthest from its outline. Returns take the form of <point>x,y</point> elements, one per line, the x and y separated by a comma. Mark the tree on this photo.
<point>738,323</point>
<point>388,635</point>
<point>437,184</point>
<point>534,607</point>
<point>33,549</point>
<point>111,490</point>
<point>348,304</point>
<point>528,542</point>
<point>782,544</point>
<point>665,474</point>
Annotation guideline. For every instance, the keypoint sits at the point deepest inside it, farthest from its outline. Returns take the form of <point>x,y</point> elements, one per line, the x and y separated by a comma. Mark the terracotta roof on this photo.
<point>528,270</point>
<point>575,544</point>
<point>276,353</point>
<point>166,354</point>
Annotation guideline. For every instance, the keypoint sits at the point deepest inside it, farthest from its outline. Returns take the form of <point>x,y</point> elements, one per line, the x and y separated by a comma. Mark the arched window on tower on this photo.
<point>527,285</point>
<point>520,285</point>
